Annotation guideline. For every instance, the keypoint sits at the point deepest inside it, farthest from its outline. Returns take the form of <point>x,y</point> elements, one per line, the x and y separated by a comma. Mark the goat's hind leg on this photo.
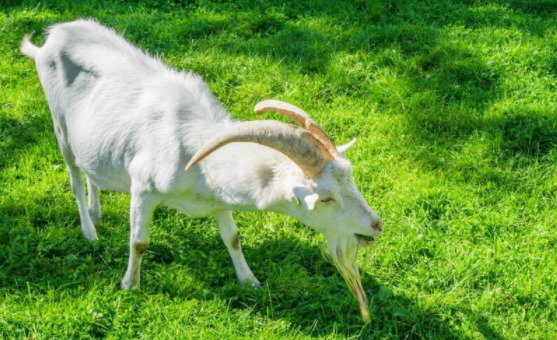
<point>229,234</point>
<point>76,181</point>
<point>78,188</point>
<point>94,202</point>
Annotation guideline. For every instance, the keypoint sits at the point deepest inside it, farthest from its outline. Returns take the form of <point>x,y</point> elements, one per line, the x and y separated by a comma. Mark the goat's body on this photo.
<point>132,124</point>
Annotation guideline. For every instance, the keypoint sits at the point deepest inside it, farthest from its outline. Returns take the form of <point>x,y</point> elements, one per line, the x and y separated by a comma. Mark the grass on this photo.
<point>454,107</point>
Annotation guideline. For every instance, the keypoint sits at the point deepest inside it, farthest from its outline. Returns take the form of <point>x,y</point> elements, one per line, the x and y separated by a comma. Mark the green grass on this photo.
<point>454,107</point>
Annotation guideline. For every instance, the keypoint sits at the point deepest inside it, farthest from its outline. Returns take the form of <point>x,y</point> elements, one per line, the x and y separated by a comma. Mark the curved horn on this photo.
<point>302,119</point>
<point>297,144</point>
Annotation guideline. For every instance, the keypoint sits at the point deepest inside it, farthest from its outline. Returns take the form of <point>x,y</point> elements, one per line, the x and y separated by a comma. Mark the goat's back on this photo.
<point>119,110</point>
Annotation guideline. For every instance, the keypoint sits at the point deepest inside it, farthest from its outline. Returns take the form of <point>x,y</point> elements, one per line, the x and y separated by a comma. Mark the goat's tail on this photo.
<point>28,48</point>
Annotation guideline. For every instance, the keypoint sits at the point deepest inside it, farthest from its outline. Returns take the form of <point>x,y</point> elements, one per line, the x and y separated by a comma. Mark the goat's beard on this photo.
<point>344,254</point>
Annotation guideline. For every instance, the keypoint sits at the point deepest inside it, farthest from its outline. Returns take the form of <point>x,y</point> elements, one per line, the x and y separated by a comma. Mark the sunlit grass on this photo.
<point>453,105</point>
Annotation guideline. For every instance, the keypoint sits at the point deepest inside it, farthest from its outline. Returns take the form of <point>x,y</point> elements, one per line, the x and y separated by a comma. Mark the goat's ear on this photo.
<point>306,197</point>
<point>346,146</point>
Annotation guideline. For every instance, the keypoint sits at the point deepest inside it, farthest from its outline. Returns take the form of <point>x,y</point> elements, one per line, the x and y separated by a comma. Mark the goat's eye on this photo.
<point>328,199</point>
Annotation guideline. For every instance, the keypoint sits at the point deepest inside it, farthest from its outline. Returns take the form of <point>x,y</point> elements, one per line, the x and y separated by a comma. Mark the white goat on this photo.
<point>132,124</point>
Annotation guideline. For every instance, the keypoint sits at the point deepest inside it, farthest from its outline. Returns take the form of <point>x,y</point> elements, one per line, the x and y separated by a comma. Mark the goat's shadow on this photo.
<point>300,286</point>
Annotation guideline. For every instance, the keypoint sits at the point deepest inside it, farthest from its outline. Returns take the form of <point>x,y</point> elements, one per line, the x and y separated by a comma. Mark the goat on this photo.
<point>132,124</point>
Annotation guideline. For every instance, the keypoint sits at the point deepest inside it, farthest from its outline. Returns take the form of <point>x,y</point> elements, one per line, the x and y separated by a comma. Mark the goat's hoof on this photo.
<point>253,283</point>
<point>89,231</point>
<point>91,236</point>
<point>126,285</point>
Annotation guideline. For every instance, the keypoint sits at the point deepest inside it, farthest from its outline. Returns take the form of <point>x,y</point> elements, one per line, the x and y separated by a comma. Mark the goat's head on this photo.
<point>331,202</point>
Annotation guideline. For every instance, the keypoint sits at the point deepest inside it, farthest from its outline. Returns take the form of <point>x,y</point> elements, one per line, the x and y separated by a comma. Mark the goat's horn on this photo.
<point>296,143</point>
<point>302,119</point>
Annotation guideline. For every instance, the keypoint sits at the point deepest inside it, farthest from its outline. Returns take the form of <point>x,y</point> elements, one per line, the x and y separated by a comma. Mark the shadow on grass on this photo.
<point>314,297</point>
<point>19,134</point>
<point>300,287</point>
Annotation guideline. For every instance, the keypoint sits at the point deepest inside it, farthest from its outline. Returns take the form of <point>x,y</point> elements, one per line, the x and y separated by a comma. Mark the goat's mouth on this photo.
<point>365,240</point>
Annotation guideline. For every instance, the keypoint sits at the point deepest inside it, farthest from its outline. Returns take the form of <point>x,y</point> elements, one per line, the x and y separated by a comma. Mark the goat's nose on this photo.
<point>377,225</point>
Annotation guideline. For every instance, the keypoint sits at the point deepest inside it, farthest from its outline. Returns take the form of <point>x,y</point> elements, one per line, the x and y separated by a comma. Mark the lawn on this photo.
<point>454,107</point>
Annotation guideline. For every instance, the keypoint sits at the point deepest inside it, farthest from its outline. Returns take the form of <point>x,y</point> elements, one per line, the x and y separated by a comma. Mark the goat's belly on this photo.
<point>112,180</point>
<point>121,185</point>
<point>193,207</point>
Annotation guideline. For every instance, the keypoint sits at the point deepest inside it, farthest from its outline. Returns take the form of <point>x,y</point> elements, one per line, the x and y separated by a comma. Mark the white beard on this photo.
<point>344,253</point>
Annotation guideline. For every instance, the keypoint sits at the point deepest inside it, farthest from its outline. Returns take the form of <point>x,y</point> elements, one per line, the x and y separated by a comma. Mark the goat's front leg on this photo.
<point>229,234</point>
<point>141,211</point>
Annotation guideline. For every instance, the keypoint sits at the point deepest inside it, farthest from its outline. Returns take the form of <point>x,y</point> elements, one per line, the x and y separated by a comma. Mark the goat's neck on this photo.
<point>247,176</point>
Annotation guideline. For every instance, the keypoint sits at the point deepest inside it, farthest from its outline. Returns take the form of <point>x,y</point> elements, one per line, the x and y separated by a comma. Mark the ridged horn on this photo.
<point>296,143</point>
<point>301,118</point>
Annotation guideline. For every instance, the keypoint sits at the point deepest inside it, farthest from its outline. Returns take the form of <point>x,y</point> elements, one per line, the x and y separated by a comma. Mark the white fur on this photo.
<point>131,124</point>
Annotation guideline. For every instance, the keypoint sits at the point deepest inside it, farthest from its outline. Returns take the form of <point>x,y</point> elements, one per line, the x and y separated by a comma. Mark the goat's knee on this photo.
<point>235,243</point>
<point>140,248</point>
